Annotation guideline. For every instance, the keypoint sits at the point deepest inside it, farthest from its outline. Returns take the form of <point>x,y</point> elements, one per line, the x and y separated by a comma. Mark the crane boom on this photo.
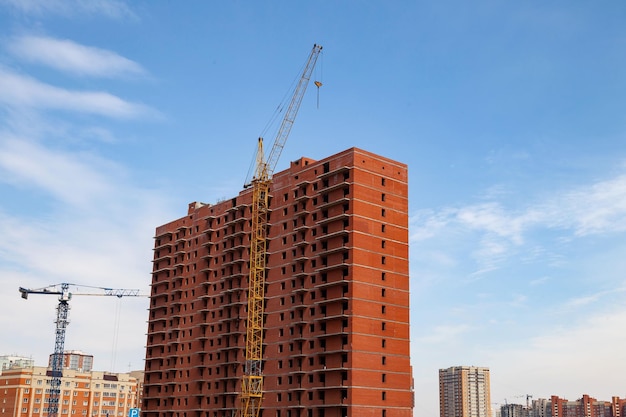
<point>290,115</point>
<point>252,382</point>
<point>63,308</point>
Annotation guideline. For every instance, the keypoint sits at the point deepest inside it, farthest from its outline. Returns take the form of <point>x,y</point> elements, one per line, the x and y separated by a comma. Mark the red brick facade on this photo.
<point>337,297</point>
<point>586,406</point>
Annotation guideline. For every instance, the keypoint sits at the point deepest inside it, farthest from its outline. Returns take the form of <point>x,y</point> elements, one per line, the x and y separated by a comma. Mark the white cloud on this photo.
<point>428,223</point>
<point>71,57</point>
<point>69,178</point>
<point>598,208</point>
<point>98,133</point>
<point>584,300</point>
<point>518,300</point>
<point>491,218</point>
<point>91,215</point>
<point>444,334</point>
<point>109,8</point>
<point>20,90</point>
<point>85,247</point>
<point>94,229</point>
<point>532,341</point>
<point>567,361</point>
<point>539,281</point>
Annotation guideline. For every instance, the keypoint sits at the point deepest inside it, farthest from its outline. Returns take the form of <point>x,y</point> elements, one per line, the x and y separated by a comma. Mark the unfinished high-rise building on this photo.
<point>336,339</point>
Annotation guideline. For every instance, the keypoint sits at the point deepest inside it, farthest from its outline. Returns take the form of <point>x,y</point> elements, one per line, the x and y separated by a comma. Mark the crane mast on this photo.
<point>63,308</point>
<point>252,382</point>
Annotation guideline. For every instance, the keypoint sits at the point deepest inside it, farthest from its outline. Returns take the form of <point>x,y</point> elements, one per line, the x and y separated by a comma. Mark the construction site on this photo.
<point>290,299</point>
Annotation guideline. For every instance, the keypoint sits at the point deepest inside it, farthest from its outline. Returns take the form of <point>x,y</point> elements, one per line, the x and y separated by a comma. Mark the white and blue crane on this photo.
<point>63,308</point>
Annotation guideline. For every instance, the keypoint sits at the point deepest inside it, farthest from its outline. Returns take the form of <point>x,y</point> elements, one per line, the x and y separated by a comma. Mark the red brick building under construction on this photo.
<point>336,340</point>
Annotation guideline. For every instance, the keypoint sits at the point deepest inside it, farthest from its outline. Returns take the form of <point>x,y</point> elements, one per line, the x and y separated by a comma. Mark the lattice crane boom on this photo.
<point>252,382</point>
<point>63,308</point>
<point>290,115</point>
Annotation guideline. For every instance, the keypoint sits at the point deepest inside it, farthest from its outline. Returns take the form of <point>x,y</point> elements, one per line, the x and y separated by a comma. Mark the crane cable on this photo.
<point>319,83</point>
<point>116,333</point>
<point>275,119</point>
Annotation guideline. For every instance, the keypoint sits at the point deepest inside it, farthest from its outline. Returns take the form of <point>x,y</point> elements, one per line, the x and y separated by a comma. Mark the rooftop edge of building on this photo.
<point>294,166</point>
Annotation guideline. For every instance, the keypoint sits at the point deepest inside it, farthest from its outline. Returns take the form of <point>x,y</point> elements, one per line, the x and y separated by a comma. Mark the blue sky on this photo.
<point>510,115</point>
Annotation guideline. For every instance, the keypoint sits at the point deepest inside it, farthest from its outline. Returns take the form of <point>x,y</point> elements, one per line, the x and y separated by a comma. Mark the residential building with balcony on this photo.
<point>336,341</point>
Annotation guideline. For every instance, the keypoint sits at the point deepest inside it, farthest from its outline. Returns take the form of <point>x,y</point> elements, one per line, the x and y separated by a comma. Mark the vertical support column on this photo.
<point>252,383</point>
<point>59,346</point>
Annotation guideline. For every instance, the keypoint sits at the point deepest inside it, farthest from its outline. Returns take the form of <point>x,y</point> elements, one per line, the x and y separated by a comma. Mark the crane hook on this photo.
<point>318,84</point>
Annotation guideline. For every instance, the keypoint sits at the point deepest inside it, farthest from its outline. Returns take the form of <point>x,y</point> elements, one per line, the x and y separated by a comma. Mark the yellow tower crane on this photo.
<point>252,382</point>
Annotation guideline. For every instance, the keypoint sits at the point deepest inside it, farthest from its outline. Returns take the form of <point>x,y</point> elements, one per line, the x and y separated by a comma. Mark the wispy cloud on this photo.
<point>66,177</point>
<point>544,362</point>
<point>599,208</point>
<point>428,223</point>
<point>491,218</point>
<point>84,223</point>
<point>24,91</point>
<point>74,58</point>
<point>519,300</point>
<point>539,281</point>
<point>445,334</point>
<point>584,300</point>
<point>593,209</point>
<point>109,8</point>
<point>102,246</point>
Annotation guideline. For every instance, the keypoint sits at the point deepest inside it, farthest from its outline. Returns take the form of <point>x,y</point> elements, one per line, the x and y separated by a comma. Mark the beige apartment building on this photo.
<point>464,391</point>
<point>24,392</point>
